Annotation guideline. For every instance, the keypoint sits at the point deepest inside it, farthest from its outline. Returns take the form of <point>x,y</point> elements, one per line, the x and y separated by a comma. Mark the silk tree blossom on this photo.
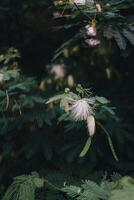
<point>92,42</point>
<point>81,109</point>
<point>90,30</point>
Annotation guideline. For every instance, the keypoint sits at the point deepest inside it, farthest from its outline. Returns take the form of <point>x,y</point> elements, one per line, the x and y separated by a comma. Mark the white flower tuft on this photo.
<point>81,108</point>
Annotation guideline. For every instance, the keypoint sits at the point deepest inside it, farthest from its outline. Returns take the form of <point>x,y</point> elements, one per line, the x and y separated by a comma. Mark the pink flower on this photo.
<point>92,42</point>
<point>56,14</point>
<point>90,30</point>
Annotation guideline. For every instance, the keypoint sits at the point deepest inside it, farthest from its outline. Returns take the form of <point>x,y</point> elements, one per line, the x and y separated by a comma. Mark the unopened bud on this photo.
<point>98,7</point>
<point>70,80</point>
<point>42,85</point>
<point>91,125</point>
<point>1,79</point>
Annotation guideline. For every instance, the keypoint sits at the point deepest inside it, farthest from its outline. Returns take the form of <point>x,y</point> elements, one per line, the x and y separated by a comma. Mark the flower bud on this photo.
<point>1,79</point>
<point>91,125</point>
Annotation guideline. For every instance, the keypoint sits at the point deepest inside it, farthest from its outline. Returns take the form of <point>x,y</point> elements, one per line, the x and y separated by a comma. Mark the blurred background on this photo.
<point>31,32</point>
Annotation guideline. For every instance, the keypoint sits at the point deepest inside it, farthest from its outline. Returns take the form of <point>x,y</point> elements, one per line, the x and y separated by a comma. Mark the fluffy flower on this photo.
<point>92,42</point>
<point>90,30</point>
<point>81,108</point>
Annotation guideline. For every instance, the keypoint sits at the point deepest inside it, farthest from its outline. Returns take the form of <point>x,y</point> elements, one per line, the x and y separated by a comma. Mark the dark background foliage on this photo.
<point>30,27</point>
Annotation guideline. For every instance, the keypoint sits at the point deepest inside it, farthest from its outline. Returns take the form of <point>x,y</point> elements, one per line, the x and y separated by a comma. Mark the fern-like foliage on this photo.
<point>23,187</point>
<point>124,190</point>
<point>107,190</point>
<point>19,95</point>
<point>88,190</point>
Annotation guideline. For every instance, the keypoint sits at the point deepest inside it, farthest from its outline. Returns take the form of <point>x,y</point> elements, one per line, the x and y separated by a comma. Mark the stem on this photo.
<point>18,107</point>
<point>89,18</point>
<point>7,100</point>
<point>86,147</point>
<point>51,185</point>
<point>64,9</point>
<point>109,140</point>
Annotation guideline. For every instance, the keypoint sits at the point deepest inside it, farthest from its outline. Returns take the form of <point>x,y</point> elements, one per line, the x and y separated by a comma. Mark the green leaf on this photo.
<point>109,141</point>
<point>72,191</point>
<point>102,100</point>
<point>23,187</point>
<point>39,182</point>
<point>112,147</point>
<point>109,110</point>
<point>86,147</point>
<point>55,98</point>
<point>120,40</point>
<point>2,93</point>
<point>129,35</point>
<point>124,189</point>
